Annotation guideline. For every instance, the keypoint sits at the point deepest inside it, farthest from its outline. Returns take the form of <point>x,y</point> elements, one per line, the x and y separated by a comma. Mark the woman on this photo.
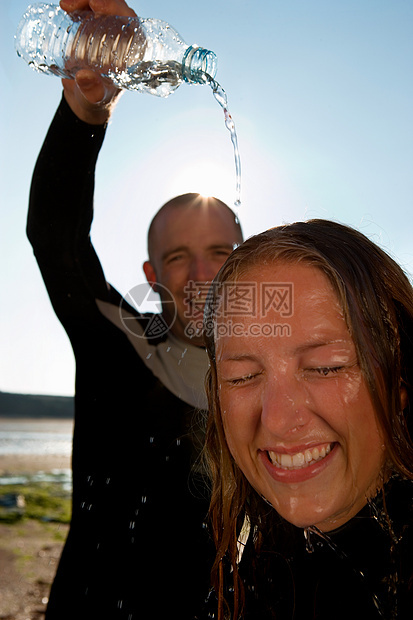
<point>309,330</point>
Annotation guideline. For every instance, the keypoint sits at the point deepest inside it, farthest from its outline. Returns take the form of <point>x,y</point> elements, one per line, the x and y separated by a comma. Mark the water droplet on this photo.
<point>149,356</point>
<point>178,442</point>
<point>380,515</point>
<point>143,499</point>
<point>308,543</point>
<point>107,480</point>
<point>151,439</point>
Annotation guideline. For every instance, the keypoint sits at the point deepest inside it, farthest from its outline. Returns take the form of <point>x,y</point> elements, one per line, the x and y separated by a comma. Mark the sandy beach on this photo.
<point>32,463</point>
<point>29,549</point>
<point>29,554</point>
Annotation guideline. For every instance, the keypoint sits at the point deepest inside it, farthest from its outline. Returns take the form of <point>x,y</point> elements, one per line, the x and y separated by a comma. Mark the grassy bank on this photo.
<point>34,516</point>
<point>42,500</point>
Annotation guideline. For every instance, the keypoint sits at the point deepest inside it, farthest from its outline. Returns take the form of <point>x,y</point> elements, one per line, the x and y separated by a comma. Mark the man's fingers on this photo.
<point>90,97</point>
<point>93,87</point>
<point>90,85</point>
<point>105,7</point>
<point>74,5</point>
<point>112,7</point>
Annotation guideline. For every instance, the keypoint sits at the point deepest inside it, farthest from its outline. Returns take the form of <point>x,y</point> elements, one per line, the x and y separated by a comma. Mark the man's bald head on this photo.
<point>193,202</point>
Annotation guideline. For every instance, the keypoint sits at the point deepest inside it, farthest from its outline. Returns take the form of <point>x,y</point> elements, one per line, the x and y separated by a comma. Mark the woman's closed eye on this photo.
<point>325,371</point>
<point>247,378</point>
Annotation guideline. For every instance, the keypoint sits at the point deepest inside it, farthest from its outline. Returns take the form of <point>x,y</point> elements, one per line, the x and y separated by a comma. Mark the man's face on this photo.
<point>190,245</point>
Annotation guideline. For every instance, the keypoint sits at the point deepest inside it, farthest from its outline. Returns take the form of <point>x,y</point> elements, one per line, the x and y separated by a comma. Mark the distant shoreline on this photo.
<point>31,406</point>
<point>27,417</point>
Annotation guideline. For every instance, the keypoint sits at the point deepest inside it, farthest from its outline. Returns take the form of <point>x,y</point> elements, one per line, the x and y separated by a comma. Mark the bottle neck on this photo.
<point>198,65</point>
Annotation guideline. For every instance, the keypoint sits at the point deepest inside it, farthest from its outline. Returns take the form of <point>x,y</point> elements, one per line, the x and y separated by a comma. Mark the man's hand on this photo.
<point>91,97</point>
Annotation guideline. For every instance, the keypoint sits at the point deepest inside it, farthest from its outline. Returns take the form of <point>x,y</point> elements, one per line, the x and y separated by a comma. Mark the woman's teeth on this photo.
<point>299,460</point>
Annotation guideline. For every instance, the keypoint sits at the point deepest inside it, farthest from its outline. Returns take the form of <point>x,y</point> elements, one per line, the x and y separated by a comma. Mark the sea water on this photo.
<point>35,437</point>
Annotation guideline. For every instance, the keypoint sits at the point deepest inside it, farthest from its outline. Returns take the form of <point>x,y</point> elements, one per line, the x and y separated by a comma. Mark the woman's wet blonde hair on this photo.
<point>376,298</point>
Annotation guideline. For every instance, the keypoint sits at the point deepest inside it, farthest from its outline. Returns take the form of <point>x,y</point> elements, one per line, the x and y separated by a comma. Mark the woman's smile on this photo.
<point>299,459</point>
<point>299,466</point>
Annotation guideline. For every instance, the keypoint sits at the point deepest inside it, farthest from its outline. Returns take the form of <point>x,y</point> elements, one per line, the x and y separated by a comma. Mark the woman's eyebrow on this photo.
<point>317,344</point>
<point>237,358</point>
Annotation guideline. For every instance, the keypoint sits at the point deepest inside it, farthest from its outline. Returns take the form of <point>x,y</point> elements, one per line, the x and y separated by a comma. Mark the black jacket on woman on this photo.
<point>361,571</point>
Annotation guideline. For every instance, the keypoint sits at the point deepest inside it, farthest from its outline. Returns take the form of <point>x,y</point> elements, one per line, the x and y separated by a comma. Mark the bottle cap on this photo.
<point>198,64</point>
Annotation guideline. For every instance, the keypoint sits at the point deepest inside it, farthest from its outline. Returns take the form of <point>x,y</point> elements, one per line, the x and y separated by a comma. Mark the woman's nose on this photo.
<point>285,407</point>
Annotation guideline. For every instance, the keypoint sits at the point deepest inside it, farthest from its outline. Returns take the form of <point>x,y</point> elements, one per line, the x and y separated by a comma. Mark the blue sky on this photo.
<point>322,96</point>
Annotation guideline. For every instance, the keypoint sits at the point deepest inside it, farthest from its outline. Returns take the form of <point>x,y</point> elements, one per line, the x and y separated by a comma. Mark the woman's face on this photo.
<point>297,414</point>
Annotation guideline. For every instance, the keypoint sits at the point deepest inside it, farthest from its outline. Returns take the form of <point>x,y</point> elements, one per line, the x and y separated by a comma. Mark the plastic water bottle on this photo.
<point>145,55</point>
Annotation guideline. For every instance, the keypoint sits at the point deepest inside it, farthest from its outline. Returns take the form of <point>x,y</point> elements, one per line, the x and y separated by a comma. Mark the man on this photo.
<point>137,547</point>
